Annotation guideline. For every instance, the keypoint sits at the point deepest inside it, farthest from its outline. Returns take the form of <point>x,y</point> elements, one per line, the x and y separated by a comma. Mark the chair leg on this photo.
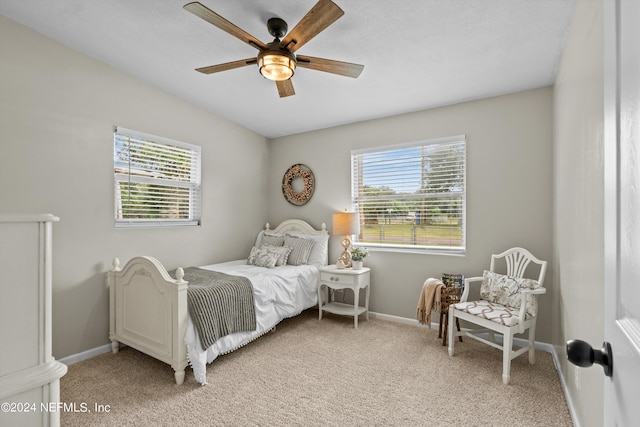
<point>451,339</point>
<point>446,329</point>
<point>507,346</point>
<point>532,336</point>
<point>458,326</point>
<point>440,325</point>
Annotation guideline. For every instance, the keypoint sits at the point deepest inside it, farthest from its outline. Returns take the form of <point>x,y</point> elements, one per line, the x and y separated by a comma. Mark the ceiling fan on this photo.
<point>277,60</point>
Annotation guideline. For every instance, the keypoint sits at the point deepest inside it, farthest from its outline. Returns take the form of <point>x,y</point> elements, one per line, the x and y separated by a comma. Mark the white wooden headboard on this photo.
<point>297,226</point>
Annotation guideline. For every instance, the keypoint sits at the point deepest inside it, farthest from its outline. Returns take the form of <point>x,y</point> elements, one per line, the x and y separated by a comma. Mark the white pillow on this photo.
<point>320,251</point>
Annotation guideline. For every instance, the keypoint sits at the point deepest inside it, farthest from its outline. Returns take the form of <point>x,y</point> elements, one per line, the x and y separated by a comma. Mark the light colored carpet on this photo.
<point>323,373</point>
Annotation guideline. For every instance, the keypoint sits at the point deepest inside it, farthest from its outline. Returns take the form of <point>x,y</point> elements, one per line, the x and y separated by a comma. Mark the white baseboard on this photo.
<point>403,320</point>
<point>565,389</point>
<point>518,341</point>
<point>74,358</point>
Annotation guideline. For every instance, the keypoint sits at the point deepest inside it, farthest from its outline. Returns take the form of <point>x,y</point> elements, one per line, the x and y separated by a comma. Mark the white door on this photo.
<point>622,209</point>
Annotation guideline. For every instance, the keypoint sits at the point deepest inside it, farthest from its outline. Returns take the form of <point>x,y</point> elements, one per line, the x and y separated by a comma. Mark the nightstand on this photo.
<point>332,278</point>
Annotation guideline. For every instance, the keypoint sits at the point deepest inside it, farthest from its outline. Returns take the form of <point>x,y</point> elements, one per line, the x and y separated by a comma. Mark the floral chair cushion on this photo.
<point>506,291</point>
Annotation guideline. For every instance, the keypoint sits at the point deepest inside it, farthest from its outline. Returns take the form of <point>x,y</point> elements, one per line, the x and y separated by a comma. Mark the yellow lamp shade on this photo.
<point>346,223</point>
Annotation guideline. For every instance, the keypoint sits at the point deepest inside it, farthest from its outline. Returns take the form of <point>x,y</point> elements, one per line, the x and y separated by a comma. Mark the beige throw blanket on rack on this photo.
<point>429,300</point>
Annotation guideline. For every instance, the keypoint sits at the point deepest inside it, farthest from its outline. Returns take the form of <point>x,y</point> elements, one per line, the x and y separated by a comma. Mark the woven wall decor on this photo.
<point>301,197</point>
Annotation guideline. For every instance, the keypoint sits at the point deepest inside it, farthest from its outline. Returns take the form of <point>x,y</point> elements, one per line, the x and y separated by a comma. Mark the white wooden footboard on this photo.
<point>148,311</point>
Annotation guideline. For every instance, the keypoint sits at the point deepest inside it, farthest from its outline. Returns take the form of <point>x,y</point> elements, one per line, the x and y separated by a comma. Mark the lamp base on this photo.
<point>345,256</point>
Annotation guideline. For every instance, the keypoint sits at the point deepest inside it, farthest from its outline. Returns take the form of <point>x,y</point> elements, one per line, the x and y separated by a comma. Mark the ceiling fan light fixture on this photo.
<point>276,66</point>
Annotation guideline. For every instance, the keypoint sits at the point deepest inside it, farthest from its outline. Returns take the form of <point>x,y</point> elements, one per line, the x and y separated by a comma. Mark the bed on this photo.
<point>149,306</point>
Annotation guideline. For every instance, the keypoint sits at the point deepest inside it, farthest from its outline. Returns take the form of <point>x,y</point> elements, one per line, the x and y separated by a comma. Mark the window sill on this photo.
<point>423,250</point>
<point>155,224</point>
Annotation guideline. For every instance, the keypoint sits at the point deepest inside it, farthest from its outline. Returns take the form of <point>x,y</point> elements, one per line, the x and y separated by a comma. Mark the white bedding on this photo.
<point>278,292</point>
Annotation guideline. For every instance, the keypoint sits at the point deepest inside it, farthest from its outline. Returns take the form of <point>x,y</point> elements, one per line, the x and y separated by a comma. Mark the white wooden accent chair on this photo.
<point>507,305</point>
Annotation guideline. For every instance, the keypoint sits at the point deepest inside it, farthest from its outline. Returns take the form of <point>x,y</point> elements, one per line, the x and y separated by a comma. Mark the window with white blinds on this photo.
<point>411,197</point>
<point>157,180</point>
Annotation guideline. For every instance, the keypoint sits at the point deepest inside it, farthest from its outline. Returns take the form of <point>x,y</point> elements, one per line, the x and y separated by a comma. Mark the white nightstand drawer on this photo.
<point>337,278</point>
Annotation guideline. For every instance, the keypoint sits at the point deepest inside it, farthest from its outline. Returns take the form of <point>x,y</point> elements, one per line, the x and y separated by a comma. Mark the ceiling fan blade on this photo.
<point>330,66</point>
<point>285,88</point>
<point>227,66</point>
<point>323,14</point>
<point>211,17</point>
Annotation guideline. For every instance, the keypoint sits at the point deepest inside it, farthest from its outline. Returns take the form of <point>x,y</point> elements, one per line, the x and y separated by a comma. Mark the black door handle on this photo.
<point>580,353</point>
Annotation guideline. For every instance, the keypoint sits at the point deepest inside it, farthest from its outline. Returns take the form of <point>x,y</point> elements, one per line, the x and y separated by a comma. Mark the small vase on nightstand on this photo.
<point>357,265</point>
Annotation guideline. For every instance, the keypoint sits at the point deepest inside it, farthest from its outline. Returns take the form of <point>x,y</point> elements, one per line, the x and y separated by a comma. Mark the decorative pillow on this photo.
<point>282,251</point>
<point>262,257</point>
<point>505,290</point>
<point>301,249</point>
<point>320,250</point>
<point>274,239</point>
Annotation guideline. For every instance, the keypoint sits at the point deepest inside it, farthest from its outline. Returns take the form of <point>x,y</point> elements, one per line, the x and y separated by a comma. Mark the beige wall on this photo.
<point>57,112</point>
<point>579,204</point>
<point>509,168</point>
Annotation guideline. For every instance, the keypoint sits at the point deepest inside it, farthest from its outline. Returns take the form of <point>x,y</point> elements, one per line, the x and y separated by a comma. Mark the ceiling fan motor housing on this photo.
<point>277,27</point>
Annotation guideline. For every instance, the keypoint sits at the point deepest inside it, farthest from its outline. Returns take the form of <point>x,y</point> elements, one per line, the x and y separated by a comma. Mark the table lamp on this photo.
<point>345,224</point>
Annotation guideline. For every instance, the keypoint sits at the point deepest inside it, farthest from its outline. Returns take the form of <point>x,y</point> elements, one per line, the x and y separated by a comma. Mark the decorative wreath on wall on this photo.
<point>294,197</point>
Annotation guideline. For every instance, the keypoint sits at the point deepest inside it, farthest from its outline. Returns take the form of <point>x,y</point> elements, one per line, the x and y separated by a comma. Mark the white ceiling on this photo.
<point>418,54</point>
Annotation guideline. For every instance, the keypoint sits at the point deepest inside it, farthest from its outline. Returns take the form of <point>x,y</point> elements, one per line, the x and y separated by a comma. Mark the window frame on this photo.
<point>193,186</point>
<point>412,248</point>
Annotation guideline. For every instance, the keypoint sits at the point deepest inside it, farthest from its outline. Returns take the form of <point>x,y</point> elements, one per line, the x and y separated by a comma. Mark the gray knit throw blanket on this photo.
<point>219,304</point>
